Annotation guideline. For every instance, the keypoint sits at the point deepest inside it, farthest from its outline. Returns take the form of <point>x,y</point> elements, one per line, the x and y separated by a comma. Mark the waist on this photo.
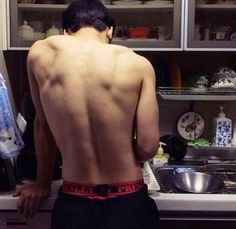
<point>101,190</point>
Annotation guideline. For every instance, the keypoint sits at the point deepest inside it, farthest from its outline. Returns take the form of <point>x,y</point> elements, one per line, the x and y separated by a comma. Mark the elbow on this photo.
<point>146,152</point>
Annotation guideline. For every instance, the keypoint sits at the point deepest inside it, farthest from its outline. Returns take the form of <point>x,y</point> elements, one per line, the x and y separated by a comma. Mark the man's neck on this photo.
<point>90,34</point>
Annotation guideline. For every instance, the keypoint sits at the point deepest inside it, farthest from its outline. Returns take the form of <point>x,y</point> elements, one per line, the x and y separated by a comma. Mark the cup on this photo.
<point>206,34</point>
<point>162,32</point>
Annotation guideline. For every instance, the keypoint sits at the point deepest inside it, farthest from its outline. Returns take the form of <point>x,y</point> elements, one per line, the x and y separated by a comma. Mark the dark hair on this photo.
<point>86,13</point>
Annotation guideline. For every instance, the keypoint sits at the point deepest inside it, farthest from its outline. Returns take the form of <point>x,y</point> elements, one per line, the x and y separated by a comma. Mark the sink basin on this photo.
<point>226,172</point>
<point>196,182</point>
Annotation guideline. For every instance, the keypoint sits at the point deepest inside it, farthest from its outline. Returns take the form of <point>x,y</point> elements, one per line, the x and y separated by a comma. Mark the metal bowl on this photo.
<point>196,182</point>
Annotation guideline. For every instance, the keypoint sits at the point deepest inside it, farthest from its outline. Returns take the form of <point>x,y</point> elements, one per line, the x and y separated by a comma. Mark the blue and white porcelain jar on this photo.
<point>222,130</point>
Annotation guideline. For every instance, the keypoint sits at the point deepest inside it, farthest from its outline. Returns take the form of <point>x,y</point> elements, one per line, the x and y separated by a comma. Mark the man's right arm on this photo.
<point>31,196</point>
<point>147,115</point>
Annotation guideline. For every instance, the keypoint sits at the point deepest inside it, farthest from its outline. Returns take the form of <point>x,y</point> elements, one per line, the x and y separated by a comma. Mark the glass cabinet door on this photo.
<point>148,25</point>
<point>140,24</point>
<point>211,24</point>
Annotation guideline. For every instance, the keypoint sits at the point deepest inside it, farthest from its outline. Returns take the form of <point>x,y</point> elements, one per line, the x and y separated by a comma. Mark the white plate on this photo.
<point>191,125</point>
<point>127,2</point>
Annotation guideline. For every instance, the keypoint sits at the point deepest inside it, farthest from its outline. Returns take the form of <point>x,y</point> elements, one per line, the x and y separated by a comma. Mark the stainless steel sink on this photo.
<point>226,172</point>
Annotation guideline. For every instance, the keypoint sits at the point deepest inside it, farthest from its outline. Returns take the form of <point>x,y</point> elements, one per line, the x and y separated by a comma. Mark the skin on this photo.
<point>91,98</point>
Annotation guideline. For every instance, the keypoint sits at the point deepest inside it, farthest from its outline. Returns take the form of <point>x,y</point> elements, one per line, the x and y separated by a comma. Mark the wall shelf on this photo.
<point>148,7</point>
<point>216,6</point>
<point>193,94</point>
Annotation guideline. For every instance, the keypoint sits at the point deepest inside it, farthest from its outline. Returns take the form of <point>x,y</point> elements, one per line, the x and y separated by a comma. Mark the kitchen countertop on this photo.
<point>196,206</point>
<point>170,205</point>
<point>7,202</point>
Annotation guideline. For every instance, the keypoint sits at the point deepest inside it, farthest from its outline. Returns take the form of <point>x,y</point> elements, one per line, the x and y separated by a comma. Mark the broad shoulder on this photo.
<point>44,49</point>
<point>128,57</point>
<point>47,43</point>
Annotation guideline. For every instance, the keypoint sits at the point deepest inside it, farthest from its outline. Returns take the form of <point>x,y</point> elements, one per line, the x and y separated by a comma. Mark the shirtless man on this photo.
<point>91,98</point>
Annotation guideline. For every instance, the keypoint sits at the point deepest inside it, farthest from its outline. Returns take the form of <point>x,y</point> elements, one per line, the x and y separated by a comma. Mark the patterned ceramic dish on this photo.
<point>191,125</point>
<point>224,78</point>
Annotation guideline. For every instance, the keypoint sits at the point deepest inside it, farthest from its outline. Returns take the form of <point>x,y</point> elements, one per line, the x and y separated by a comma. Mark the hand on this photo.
<point>30,198</point>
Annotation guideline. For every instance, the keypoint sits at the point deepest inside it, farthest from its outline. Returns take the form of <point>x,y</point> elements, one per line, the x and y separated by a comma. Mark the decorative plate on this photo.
<point>191,125</point>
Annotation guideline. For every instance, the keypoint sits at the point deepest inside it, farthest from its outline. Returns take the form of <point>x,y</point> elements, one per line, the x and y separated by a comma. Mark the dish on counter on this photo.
<point>191,125</point>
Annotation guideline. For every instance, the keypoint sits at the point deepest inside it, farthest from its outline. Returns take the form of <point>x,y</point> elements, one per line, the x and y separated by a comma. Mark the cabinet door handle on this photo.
<point>15,221</point>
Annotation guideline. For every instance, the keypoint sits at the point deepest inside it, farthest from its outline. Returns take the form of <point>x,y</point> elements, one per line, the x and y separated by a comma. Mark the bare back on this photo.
<point>89,93</point>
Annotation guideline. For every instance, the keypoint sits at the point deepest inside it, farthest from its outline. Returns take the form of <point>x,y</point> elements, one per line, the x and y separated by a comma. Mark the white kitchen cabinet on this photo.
<point>210,25</point>
<point>193,24</point>
<point>152,15</point>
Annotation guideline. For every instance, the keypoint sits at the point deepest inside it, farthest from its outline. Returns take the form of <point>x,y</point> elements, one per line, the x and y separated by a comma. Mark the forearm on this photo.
<point>45,148</point>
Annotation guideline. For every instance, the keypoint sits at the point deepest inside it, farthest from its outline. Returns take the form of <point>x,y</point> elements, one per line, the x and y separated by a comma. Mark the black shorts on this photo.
<point>130,211</point>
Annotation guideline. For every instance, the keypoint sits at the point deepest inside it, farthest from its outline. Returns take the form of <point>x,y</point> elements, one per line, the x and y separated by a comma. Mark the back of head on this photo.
<point>86,13</point>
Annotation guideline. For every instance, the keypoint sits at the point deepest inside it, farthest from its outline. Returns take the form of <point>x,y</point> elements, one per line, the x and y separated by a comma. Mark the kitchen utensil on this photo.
<point>196,182</point>
<point>191,125</point>
<point>174,146</point>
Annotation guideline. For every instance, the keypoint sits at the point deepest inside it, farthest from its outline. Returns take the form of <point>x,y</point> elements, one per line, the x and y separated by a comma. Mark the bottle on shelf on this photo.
<point>234,132</point>
<point>222,130</point>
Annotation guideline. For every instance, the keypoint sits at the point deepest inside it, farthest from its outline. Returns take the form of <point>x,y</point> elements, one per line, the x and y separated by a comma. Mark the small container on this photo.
<point>138,32</point>
<point>222,130</point>
<point>160,158</point>
<point>26,32</point>
<point>52,31</point>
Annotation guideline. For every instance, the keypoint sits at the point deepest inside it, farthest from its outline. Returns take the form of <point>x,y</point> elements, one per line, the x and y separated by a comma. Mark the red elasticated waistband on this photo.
<point>101,191</point>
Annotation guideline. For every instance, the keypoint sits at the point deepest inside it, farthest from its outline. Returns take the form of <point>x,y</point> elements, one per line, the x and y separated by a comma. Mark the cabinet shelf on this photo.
<point>214,44</point>
<point>141,7</point>
<point>191,94</point>
<point>142,42</point>
<point>216,6</point>
<point>30,7</point>
<point>207,148</point>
